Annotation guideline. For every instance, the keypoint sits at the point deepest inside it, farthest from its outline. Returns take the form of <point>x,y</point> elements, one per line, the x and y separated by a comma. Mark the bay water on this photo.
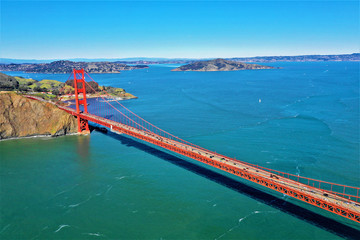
<point>302,118</point>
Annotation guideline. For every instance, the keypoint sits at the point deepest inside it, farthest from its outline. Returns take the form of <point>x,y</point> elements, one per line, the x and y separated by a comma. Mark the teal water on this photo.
<point>302,119</point>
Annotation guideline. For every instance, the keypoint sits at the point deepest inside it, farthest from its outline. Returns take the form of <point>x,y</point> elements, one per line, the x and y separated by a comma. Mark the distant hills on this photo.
<point>303,58</point>
<point>119,60</point>
<point>145,60</point>
<point>219,65</point>
<point>68,66</point>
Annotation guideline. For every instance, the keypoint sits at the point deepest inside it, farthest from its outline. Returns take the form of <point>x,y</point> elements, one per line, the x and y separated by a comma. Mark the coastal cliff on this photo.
<point>23,117</point>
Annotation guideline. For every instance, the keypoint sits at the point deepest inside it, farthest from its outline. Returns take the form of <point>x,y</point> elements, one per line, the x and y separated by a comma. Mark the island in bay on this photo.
<point>67,67</point>
<point>220,64</point>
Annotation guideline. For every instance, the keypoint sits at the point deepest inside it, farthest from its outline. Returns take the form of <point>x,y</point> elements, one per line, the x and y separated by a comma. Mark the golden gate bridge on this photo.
<point>340,199</point>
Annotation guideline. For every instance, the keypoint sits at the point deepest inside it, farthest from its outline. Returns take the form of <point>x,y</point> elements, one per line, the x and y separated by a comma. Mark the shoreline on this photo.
<point>41,136</point>
<point>99,96</point>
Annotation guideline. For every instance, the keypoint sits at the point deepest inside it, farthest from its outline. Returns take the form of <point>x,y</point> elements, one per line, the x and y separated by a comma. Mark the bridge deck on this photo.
<point>315,196</point>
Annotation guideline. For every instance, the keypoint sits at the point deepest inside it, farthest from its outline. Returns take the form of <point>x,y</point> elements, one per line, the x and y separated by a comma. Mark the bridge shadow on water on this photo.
<point>299,212</point>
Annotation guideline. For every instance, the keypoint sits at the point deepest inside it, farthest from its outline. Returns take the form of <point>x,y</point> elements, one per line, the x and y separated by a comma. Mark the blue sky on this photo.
<point>189,29</point>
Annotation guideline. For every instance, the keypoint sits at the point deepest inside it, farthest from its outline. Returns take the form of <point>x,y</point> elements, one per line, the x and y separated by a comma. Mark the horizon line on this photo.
<point>73,58</point>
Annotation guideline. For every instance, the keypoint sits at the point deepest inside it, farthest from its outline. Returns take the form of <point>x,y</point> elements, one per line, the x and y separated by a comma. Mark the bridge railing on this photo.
<point>349,192</point>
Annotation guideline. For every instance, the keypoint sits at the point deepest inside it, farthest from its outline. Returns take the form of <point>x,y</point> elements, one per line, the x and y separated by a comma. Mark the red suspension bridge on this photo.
<point>109,112</point>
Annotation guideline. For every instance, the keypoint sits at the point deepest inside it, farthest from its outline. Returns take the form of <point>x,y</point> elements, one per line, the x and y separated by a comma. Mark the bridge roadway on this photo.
<point>315,196</point>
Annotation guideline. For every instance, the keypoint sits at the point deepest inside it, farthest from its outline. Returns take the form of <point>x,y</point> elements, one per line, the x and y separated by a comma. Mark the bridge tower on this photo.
<point>79,85</point>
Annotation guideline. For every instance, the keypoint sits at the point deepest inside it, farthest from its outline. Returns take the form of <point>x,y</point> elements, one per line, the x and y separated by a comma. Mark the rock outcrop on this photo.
<point>219,65</point>
<point>23,117</point>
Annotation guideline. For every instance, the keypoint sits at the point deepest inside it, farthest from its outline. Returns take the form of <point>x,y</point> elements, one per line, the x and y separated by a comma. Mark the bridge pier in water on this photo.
<point>83,125</point>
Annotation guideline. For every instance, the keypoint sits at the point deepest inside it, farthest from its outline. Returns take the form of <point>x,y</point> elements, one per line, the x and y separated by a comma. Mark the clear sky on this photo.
<point>190,29</point>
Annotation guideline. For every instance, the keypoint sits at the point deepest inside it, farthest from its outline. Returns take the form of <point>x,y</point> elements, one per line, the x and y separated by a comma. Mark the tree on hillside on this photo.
<point>40,89</point>
<point>23,88</point>
<point>56,92</point>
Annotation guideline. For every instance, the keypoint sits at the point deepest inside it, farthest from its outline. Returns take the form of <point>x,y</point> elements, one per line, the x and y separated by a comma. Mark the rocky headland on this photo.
<point>67,67</point>
<point>23,117</point>
<point>219,65</point>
